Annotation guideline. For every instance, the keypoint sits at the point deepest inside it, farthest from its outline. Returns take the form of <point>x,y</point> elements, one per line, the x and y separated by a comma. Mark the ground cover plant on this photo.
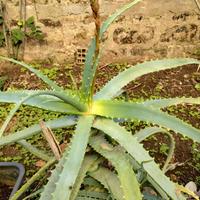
<point>97,118</point>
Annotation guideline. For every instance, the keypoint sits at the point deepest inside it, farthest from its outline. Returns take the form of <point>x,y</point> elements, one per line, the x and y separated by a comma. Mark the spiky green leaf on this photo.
<point>88,162</point>
<point>92,195</point>
<point>128,180</point>
<point>33,130</point>
<point>8,119</point>
<point>34,150</point>
<point>58,95</point>
<point>55,175</point>
<point>89,69</point>
<point>149,131</point>
<point>130,74</point>
<point>109,180</point>
<point>161,103</point>
<point>62,187</point>
<point>126,140</point>
<point>149,114</point>
<point>48,102</point>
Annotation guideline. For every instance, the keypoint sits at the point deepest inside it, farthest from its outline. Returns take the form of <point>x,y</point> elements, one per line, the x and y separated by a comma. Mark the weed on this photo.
<point>164,148</point>
<point>197,86</point>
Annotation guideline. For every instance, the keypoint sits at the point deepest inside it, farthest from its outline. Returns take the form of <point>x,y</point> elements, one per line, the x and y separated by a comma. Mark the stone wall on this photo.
<point>152,29</point>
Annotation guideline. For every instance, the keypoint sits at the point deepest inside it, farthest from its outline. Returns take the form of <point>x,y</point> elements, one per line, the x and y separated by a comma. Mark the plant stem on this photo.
<point>170,153</point>
<point>32,180</point>
<point>73,81</point>
<point>36,11</point>
<point>8,119</point>
<point>95,9</point>
<point>7,43</point>
<point>198,4</point>
<point>24,28</point>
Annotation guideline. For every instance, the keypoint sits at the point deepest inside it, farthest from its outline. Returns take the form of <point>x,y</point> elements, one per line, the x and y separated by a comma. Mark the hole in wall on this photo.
<point>80,56</point>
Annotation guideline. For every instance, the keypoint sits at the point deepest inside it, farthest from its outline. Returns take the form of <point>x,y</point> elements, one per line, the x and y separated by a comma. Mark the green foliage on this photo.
<point>128,164</point>
<point>50,72</point>
<point>1,19</point>
<point>2,39</point>
<point>196,53</point>
<point>20,32</point>
<point>164,148</point>
<point>33,31</point>
<point>2,81</point>
<point>197,86</point>
<point>17,36</point>
<point>196,155</point>
<point>26,117</point>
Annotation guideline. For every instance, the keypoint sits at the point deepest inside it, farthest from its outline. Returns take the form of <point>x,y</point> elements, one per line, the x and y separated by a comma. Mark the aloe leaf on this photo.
<point>43,102</point>
<point>161,103</point>
<point>46,194</point>
<point>89,72</point>
<point>92,195</point>
<point>36,72</point>
<point>136,150</point>
<point>88,162</point>
<point>32,95</point>
<point>35,151</point>
<point>109,180</point>
<point>130,74</point>
<point>50,100</point>
<point>144,113</point>
<point>149,131</point>
<point>127,177</point>
<point>61,188</point>
<point>33,130</point>
<point>114,16</point>
<point>8,119</point>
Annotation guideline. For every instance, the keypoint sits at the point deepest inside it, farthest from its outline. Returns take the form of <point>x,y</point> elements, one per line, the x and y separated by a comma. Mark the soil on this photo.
<point>169,83</point>
<point>5,192</point>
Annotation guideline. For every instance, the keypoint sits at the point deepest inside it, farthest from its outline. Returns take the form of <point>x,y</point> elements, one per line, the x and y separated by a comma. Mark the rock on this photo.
<point>191,186</point>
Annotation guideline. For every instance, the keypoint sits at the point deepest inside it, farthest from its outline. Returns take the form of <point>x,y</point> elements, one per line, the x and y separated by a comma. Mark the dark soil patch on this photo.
<point>5,192</point>
<point>16,78</point>
<point>169,83</point>
<point>183,167</point>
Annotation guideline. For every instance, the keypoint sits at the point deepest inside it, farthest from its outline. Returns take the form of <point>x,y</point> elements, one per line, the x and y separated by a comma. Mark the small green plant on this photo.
<point>17,34</point>
<point>164,148</point>
<point>98,135</point>
<point>197,86</point>
<point>50,72</point>
<point>27,30</point>
<point>33,31</point>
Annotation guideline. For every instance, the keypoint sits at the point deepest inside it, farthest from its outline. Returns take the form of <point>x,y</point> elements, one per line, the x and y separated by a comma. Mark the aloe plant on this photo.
<point>93,116</point>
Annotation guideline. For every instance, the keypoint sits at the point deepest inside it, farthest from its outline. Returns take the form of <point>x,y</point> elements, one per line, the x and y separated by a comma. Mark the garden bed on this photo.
<point>183,81</point>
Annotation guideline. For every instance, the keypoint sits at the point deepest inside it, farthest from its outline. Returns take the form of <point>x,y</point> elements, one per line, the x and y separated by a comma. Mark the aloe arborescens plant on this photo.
<point>93,115</point>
